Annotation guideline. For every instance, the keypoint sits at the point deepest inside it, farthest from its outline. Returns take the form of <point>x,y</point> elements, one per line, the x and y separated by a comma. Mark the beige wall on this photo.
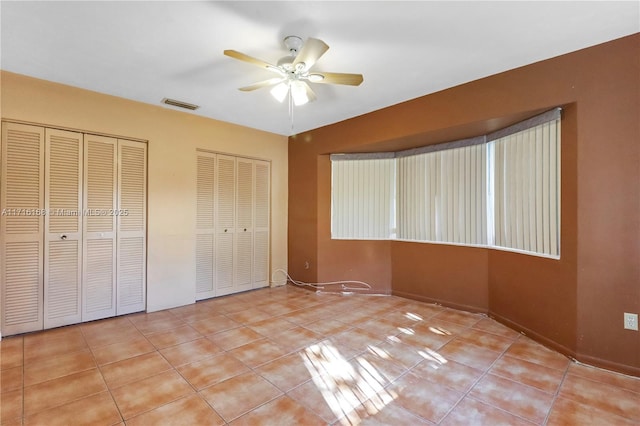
<point>173,138</point>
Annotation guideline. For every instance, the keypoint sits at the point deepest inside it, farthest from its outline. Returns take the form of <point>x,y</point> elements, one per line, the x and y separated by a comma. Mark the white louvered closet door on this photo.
<point>225,224</point>
<point>131,227</point>
<point>21,234</point>
<point>262,209</point>
<point>63,228</point>
<point>99,228</point>
<point>205,225</point>
<point>243,248</point>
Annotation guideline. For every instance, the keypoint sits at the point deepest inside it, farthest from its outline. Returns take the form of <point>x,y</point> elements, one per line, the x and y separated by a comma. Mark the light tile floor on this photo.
<point>288,356</point>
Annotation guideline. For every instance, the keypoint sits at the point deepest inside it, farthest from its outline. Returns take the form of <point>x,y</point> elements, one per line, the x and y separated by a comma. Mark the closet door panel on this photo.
<point>205,225</point>
<point>131,227</point>
<point>261,246</point>
<point>99,228</point>
<point>63,228</point>
<point>21,231</point>
<point>244,225</point>
<point>225,220</point>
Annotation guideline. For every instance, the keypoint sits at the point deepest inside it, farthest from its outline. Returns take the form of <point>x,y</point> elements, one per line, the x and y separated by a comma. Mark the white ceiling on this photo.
<point>147,51</point>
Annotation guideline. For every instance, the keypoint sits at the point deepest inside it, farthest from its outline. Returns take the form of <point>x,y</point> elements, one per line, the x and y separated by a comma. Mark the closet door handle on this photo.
<point>63,237</point>
<point>245,229</point>
<point>225,230</point>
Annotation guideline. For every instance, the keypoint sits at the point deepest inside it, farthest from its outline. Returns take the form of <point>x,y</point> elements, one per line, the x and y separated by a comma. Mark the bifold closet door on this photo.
<point>99,228</point>
<point>243,247</point>
<point>21,228</point>
<point>261,245</point>
<point>205,225</point>
<point>131,238</point>
<point>63,228</point>
<point>225,224</point>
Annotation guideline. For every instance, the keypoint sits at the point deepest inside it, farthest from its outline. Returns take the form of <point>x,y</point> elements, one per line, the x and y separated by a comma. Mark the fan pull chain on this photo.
<point>291,111</point>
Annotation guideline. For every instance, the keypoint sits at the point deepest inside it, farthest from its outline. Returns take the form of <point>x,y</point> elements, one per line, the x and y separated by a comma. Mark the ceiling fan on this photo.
<point>294,71</point>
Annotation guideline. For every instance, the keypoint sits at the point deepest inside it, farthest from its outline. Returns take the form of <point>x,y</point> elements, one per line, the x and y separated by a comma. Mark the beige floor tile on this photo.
<point>527,349</point>
<point>296,338</point>
<point>271,326</point>
<point>449,373</point>
<point>258,352</point>
<point>487,340</point>
<point>115,333</point>
<point>531,374</point>
<point>602,396</point>
<point>150,393</point>
<point>164,339</point>
<point>58,366</point>
<point>63,390</point>
<point>239,395</point>
<point>357,339</point>
<point>396,351</point>
<point>423,337</point>
<point>516,398</point>
<point>44,345</point>
<point>389,414</point>
<point>133,369</point>
<point>604,376</point>
<point>11,352</point>
<point>328,327</point>
<point>187,411</point>
<point>473,412</point>
<point>287,372</point>
<point>210,371</point>
<point>189,352</point>
<point>215,324</point>
<point>92,410</point>
<point>459,317</point>
<point>282,411</point>
<point>122,350</point>
<point>11,405</point>
<point>329,397</point>
<point>428,400</point>
<point>235,338</point>
<point>469,354</point>
<point>11,379</point>
<point>494,327</point>
<point>162,324</point>
<point>567,412</point>
<point>249,316</point>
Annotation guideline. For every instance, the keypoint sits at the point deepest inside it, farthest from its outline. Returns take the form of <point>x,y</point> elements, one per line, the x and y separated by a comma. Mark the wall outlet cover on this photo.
<point>630,321</point>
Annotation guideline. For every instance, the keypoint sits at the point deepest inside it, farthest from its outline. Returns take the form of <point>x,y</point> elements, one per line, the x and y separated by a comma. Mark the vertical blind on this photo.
<point>442,196</point>
<point>526,189</point>
<point>362,198</point>
<point>500,190</point>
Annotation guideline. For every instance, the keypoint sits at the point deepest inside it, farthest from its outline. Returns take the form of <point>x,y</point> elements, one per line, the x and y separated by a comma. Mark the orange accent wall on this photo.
<point>574,304</point>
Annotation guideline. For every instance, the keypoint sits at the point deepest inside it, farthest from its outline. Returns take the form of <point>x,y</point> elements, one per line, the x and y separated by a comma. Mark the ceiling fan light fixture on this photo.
<point>280,91</point>
<point>299,93</point>
<point>314,78</point>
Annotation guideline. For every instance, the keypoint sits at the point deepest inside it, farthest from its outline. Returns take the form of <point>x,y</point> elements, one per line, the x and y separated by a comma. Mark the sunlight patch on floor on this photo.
<point>346,386</point>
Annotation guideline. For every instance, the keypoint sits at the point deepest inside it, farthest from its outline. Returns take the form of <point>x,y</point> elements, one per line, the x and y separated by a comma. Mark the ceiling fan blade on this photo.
<point>250,59</point>
<point>261,84</point>
<point>336,78</point>
<point>310,52</point>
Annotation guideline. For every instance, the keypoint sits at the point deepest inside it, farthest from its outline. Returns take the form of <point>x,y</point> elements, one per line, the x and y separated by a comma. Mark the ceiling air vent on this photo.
<point>180,104</point>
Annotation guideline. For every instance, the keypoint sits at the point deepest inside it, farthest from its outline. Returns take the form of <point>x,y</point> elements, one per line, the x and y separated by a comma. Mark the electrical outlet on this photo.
<point>630,321</point>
